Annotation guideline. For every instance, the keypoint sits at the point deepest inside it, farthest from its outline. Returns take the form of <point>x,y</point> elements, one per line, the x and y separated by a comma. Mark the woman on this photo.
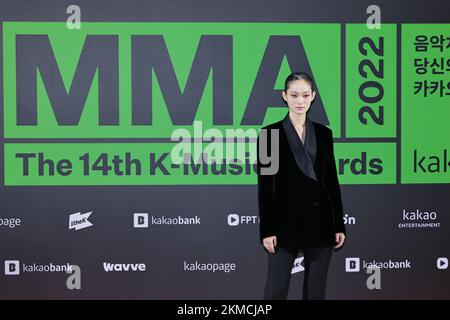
<point>300,205</point>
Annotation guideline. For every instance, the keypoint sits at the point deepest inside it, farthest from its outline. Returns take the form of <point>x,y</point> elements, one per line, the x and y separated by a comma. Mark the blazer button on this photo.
<point>316,204</point>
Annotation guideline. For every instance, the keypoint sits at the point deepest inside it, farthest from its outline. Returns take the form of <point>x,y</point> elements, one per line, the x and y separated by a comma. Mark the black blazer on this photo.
<point>300,203</point>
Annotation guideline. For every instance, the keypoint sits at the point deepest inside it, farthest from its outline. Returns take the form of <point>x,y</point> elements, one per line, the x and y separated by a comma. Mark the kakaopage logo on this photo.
<point>10,223</point>
<point>213,267</point>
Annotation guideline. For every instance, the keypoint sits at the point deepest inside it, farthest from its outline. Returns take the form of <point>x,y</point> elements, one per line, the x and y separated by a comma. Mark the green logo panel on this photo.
<point>249,43</point>
<point>425,93</point>
<point>380,141</point>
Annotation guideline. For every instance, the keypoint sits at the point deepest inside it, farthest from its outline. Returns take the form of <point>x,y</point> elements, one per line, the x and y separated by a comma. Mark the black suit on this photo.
<point>301,205</point>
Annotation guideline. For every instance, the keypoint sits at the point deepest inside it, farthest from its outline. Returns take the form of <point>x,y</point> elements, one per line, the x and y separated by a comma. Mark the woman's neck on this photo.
<point>298,120</point>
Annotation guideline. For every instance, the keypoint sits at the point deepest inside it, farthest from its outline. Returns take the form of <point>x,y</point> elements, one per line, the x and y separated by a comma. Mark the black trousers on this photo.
<point>316,260</point>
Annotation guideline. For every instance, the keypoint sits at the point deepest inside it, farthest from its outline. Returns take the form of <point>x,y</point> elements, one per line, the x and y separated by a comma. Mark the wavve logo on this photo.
<point>124,267</point>
<point>297,267</point>
<point>79,221</point>
<point>235,220</point>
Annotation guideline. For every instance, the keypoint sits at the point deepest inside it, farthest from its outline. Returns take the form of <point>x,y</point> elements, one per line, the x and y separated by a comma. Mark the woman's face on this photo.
<point>299,96</point>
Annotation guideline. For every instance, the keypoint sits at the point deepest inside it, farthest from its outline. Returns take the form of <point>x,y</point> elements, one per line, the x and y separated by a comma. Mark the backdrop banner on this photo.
<point>128,144</point>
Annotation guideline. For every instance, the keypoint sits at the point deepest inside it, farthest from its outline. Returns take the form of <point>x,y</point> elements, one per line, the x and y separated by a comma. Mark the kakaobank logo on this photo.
<point>355,264</point>
<point>12,267</point>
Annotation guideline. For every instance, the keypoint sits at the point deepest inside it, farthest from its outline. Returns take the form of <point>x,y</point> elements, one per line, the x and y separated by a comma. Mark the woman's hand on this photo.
<point>340,238</point>
<point>270,243</point>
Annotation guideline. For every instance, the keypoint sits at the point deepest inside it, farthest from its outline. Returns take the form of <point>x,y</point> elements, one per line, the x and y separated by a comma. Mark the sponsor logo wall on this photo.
<point>117,182</point>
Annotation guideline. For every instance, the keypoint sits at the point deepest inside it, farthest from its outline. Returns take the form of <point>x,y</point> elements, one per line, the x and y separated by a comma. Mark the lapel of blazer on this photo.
<point>304,163</point>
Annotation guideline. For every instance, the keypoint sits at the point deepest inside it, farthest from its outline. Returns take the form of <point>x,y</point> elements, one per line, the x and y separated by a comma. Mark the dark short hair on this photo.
<point>298,76</point>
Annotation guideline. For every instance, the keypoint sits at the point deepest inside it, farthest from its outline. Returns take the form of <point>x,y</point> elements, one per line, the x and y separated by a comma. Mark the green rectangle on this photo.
<point>82,173</point>
<point>425,137</point>
<point>366,163</point>
<point>249,42</point>
<point>351,170</point>
<point>370,81</point>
